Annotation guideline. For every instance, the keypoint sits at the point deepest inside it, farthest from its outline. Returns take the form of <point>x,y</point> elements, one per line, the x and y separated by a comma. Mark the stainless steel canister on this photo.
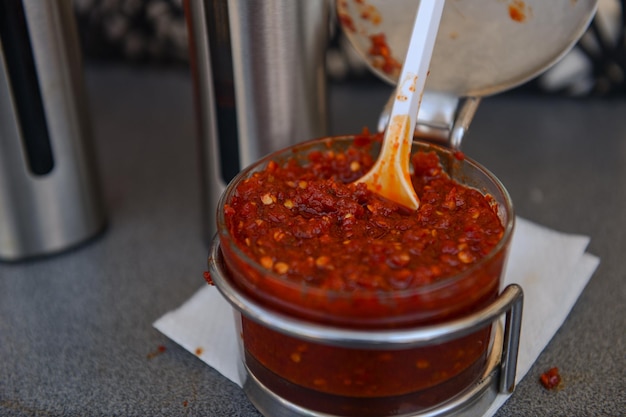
<point>49,196</point>
<point>260,82</point>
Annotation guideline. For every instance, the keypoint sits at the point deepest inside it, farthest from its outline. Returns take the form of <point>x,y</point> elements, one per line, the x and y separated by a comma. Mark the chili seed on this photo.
<point>400,260</point>
<point>267,199</point>
<point>436,270</point>
<point>466,257</point>
<point>296,357</point>
<point>319,382</point>
<point>323,262</point>
<point>422,364</point>
<point>271,166</point>
<point>281,267</point>
<point>267,262</point>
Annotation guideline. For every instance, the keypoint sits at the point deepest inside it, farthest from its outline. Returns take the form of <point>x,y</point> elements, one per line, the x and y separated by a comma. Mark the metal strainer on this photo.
<point>483,47</point>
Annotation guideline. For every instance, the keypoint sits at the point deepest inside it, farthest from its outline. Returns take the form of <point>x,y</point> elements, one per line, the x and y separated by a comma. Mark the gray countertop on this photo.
<point>76,335</point>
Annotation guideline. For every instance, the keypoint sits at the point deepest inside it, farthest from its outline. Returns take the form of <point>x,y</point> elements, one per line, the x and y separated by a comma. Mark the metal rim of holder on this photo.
<point>509,303</point>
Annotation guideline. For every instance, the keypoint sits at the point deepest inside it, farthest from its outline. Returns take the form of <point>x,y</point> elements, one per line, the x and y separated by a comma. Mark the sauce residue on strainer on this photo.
<point>519,11</point>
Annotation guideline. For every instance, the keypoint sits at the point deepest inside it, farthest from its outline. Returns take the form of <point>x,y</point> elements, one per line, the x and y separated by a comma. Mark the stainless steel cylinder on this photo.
<point>49,196</point>
<point>260,82</point>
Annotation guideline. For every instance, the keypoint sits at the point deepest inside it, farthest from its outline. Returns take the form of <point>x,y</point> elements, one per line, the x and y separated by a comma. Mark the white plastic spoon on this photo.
<point>390,176</point>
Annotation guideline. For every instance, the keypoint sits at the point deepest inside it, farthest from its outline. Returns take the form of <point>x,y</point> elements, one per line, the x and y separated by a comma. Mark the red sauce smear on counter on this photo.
<point>159,350</point>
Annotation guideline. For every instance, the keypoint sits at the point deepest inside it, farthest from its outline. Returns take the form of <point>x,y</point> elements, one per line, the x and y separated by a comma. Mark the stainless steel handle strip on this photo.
<point>57,205</point>
<point>510,350</point>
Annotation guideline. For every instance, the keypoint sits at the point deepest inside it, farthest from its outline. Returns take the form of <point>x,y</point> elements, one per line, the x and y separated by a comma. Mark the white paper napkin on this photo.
<point>548,265</point>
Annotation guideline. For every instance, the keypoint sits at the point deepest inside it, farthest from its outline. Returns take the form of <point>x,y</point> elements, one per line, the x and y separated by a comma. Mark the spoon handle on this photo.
<point>417,62</point>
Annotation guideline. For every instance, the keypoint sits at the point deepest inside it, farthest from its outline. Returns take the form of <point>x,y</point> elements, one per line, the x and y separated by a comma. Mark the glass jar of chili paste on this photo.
<point>330,281</point>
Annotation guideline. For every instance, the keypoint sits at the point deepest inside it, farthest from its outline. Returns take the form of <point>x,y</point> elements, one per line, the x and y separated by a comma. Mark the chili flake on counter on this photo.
<point>551,378</point>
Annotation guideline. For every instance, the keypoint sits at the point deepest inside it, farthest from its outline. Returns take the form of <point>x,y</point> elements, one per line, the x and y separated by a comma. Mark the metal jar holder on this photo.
<point>498,377</point>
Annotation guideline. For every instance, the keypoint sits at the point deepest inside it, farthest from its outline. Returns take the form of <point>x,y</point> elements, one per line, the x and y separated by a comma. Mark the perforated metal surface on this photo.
<point>483,46</point>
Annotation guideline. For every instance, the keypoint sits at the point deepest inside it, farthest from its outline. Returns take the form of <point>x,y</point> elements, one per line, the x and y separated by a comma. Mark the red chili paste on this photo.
<point>336,253</point>
<point>313,224</point>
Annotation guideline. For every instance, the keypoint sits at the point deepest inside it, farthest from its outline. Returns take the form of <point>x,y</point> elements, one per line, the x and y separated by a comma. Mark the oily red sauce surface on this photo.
<point>312,224</point>
<point>283,361</point>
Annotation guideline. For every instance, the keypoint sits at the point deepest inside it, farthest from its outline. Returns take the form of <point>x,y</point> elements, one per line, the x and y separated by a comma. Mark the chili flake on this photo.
<point>159,350</point>
<point>207,278</point>
<point>551,378</point>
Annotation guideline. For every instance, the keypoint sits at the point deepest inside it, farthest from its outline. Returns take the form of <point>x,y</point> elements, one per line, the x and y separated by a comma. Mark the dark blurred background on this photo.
<point>153,32</point>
